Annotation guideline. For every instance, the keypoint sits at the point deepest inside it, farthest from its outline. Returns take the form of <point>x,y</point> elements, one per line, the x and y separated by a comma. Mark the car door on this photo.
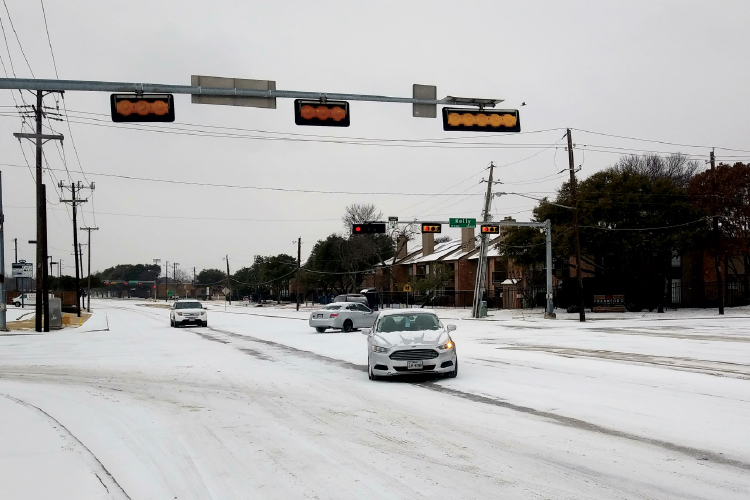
<point>352,314</point>
<point>366,316</point>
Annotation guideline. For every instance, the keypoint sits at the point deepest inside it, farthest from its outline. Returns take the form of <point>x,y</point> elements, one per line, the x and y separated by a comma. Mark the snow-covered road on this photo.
<point>258,405</point>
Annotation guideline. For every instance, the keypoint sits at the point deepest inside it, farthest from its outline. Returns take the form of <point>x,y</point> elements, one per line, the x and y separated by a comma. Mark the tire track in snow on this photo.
<point>100,471</point>
<point>696,453</point>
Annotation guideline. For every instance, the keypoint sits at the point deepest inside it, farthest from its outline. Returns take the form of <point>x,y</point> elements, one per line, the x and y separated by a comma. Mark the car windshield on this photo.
<point>408,322</point>
<point>188,305</point>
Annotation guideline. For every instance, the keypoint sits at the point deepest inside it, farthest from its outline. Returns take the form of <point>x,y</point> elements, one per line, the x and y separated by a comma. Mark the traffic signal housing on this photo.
<point>369,228</point>
<point>142,108</point>
<point>321,114</point>
<point>490,229</point>
<point>432,227</point>
<point>481,120</point>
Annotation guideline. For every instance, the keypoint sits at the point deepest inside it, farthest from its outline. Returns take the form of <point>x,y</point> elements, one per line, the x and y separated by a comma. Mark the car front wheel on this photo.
<point>17,304</point>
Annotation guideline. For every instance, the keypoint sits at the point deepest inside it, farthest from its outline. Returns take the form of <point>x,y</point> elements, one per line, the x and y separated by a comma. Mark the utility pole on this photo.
<point>88,293</point>
<point>482,262</point>
<point>574,202</point>
<point>15,260</point>
<point>3,306</point>
<point>166,281</point>
<point>229,281</point>
<point>717,238</point>
<point>174,279</point>
<point>80,260</point>
<point>42,278</point>
<point>76,247</point>
<point>156,280</point>
<point>193,275</point>
<point>299,257</point>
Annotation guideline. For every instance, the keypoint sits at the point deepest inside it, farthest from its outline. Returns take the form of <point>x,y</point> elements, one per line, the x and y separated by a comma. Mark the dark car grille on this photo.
<point>415,354</point>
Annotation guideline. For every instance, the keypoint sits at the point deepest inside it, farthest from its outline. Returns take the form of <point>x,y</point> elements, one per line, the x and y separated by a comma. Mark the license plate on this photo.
<point>414,365</point>
<point>318,315</point>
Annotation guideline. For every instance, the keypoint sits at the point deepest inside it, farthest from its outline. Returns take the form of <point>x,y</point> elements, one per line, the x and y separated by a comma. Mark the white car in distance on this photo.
<point>187,311</point>
<point>345,316</point>
<point>409,341</point>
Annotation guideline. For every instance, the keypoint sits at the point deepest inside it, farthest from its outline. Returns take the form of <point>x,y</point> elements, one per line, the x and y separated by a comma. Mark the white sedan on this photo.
<point>342,315</point>
<point>408,341</point>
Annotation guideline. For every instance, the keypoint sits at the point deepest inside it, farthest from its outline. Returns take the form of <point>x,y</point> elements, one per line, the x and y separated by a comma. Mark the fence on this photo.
<point>514,297</point>
<point>683,294</point>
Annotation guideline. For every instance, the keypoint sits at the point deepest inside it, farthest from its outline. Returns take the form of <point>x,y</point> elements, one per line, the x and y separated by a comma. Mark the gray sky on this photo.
<point>672,71</point>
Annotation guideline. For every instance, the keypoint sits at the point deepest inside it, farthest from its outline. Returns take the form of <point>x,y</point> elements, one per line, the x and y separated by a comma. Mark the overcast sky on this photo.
<point>671,71</point>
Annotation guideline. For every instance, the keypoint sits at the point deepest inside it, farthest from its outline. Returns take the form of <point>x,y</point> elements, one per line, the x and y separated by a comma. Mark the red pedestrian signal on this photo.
<point>490,229</point>
<point>481,120</point>
<point>369,228</point>
<point>142,108</point>
<point>321,114</point>
<point>431,227</point>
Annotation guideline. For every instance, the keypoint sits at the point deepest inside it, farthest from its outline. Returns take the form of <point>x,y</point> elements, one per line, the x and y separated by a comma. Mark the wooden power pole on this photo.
<point>574,202</point>
<point>88,292</point>
<point>717,238</point>
<point>299,256</point>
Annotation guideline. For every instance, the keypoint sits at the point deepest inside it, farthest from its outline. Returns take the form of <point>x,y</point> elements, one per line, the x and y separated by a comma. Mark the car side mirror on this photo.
<point>366,331</point>
<point>450,328</point>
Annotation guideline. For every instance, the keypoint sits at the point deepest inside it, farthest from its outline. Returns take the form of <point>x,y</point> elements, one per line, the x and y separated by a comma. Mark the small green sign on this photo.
<point>170,293</point>
<point>463,222</point>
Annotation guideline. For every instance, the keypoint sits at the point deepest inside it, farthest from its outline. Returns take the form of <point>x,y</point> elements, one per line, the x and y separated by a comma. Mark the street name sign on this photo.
<point>462,222</point>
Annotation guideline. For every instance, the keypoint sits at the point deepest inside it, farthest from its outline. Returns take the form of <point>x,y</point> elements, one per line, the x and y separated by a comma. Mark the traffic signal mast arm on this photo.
<point>158,88</point>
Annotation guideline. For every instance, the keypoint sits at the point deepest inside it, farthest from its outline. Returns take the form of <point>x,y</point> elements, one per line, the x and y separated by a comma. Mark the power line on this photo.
<point>660,142</point>
<point>259,188</point>
<point>18,40</point>
<point>49,40</point>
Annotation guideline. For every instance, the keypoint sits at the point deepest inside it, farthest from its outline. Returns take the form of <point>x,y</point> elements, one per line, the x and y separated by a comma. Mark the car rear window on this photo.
<point>333,307</point>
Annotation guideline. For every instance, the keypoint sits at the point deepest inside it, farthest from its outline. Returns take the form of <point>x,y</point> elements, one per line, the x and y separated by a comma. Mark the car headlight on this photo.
<point>179,314</point>
<point>203,313</point>
<point>377,348</point>
<point>447,345</point>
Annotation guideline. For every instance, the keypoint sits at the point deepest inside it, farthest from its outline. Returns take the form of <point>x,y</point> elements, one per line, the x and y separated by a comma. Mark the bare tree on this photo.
<point>182,276</point>
<point>357,214</point>
<point>677,167</point>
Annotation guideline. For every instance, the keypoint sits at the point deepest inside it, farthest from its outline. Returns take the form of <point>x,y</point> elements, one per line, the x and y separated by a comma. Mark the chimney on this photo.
<point>467,239</point>
<point>401,247</point>
<point>428,244</point>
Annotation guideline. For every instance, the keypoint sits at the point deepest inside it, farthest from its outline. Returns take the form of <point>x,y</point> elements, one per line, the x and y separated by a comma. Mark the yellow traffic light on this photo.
<point>490,229</point>
<point>431,227</point>
<point>142,108</point>
<point>321,114</point>
<point>482,120</point>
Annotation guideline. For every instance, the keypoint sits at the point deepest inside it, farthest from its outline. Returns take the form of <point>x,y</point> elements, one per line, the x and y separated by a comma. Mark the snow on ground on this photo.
<point>259,405</point>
